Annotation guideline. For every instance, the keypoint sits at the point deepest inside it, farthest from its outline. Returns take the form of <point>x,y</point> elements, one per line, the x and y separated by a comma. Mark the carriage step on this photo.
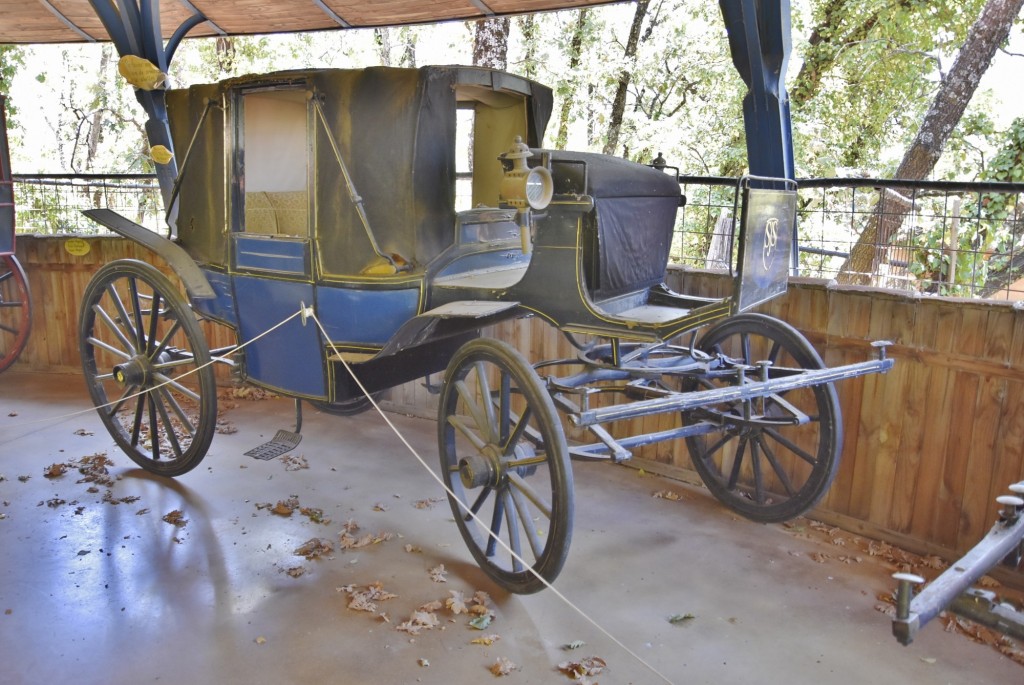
<point>283,442</point>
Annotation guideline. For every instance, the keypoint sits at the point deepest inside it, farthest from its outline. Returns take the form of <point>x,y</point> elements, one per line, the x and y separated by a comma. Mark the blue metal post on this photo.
<point>134,28</point>
<point>759,38</point>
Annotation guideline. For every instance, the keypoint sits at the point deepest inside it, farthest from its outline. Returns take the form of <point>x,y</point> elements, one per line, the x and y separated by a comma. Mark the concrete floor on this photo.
<point>96,592</point>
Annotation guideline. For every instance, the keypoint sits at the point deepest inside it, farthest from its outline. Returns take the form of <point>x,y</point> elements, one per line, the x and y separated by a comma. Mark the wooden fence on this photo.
<point>927,446</point>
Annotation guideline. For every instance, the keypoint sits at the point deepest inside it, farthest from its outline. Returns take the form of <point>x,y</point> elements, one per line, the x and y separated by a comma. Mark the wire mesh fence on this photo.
<point>938,237</point>
<point>52,204</point>
<point>944,238</point>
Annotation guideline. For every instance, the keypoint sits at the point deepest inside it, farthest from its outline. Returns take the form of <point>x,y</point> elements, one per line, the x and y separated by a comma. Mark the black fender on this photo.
<point>196,284</point>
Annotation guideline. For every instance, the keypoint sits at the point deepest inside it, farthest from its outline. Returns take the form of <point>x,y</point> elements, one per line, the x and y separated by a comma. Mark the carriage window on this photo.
<point>464,122</point>
<point>275,151</point>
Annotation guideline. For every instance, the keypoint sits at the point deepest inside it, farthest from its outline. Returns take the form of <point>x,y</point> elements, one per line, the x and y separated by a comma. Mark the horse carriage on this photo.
<point>15,302</point>
<point>358,229</point>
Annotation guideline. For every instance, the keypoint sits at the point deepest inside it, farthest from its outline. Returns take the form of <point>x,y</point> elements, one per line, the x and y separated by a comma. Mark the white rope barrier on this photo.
<point>493,536</point>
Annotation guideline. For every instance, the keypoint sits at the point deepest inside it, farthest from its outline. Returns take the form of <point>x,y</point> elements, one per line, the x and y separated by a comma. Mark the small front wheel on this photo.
<point>504,455</point>
<point>773,457</point>
<point>147,367</point>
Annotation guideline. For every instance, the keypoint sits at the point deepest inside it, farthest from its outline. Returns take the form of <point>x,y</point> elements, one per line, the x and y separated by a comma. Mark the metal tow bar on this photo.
<point>747,391</point>
<point>952,589</point>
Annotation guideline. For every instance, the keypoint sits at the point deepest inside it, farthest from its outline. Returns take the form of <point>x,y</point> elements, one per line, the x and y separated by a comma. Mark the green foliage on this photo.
<point>868,74</point>
<point>991,228</point>
<point>12,58</point>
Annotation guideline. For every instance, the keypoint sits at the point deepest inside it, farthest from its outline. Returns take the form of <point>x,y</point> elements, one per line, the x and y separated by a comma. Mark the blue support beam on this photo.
<point>759,38</point>
<point>134,27</point>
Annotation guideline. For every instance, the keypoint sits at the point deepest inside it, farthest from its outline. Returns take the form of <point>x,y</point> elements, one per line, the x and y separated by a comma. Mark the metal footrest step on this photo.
<point>282,443</point>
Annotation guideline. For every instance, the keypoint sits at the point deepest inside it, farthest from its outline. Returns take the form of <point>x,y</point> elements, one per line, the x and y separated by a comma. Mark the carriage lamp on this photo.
<point>521,186</point>
<point>525,188</point>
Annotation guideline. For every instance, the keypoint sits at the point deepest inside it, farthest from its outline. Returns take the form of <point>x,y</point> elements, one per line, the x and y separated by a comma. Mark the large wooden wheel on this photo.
<point>772,458</point>
<point>15,310</point>
<point>504,455</point>
<point>147,367</point>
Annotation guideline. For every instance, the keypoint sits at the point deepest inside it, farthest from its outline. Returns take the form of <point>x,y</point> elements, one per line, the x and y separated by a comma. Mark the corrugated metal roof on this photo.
<point>74,21</point>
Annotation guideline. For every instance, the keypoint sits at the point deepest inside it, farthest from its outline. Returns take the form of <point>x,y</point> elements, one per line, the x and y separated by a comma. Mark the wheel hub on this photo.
<point>136,371</point>
<point>478,470</point>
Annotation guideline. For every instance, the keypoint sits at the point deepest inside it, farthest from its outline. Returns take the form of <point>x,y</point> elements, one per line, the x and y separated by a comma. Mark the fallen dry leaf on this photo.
<point>486,640</point>
<point>503,666</point>
<point>294,462</point>
<point>176,518</point>
<point>349,542</point>
<point>581,668</point>
<point>667,494</point>
<point>437,574</point>
<point>314,548</point>
<point>285,507</point>
<point>456,603</point>
<point>366,599</point>
<point>55,470</point>
<point>420,620</point>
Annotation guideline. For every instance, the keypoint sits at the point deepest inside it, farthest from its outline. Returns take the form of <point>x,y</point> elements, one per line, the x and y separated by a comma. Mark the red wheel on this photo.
<point>15,310</point>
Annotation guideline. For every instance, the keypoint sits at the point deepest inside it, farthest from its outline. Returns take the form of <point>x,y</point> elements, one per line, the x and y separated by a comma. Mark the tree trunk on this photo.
<point>382,39</point>
<point>96,118</point>
<point>490,43</point>
<point>531,35</point>
<point>986,35</point>
<point>625,76</point>
<point>572,81</point>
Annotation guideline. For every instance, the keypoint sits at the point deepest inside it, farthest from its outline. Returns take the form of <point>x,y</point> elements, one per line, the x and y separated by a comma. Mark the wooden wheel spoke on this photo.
<point>484,387</point>
<point>755,465</point>
<point>480,499</point>
<point>791,446</point>
<point>520,484</point>
<point>496,516</point>
<point>780,472</point>
<point>172,436</point>
<point>522,424</point>
<point>504,408</point>
<point>171,383</point>
<point>109,348</point>
<point>166,339</point>
<point>154,320</point>
<point>133,292</point>
<point>459,424</point>
<point>129,391</point>
<point>140,405</point>
<point>116,330</point>
<point>715,447</point>
<point>154,426</point>
<point>168,399</point>
<point>476,412</point>
<point>523,509</point>
<point>513,532</point>
<point>737,464</point>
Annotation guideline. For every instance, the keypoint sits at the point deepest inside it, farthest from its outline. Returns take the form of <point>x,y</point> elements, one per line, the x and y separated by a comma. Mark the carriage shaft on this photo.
<point>1002,539</point>
<point>752,389</point>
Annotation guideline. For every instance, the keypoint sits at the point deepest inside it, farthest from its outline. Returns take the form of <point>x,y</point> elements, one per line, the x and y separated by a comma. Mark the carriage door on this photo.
<point>271,247</point>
